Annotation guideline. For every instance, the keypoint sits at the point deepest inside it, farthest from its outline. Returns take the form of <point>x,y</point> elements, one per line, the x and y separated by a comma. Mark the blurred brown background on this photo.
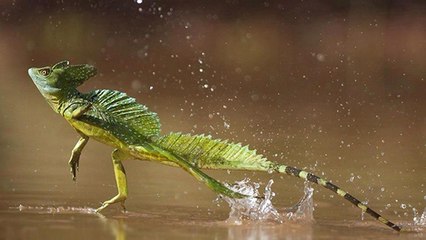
<point>337,87</point>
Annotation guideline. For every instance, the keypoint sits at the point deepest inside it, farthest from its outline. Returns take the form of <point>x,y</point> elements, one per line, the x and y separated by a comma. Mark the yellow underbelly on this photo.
<point>98,134</point>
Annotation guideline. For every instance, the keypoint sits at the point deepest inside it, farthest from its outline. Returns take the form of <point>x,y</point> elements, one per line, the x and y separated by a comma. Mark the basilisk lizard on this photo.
<point>114,118</point>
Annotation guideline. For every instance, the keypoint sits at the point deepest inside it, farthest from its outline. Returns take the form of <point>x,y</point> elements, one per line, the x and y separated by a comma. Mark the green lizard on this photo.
<point>115,119</point>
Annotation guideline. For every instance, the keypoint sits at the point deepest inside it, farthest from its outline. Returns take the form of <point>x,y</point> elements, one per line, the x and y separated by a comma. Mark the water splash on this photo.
<point>419,220</point>
<point>304,209</point>
<point>260,208</point>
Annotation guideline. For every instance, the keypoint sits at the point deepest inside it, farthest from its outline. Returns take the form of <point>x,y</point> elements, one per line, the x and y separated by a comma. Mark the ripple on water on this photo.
<point>52,209</point>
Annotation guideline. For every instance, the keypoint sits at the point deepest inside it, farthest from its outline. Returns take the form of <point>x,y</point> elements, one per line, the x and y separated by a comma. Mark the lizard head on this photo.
<point>51,80</point>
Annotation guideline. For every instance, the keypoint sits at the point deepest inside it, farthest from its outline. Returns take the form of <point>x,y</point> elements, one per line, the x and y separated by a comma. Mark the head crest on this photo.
<point>73,75</point>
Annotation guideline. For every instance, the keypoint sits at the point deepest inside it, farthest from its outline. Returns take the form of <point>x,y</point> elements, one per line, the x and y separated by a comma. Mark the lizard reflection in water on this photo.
<point>113,118</point>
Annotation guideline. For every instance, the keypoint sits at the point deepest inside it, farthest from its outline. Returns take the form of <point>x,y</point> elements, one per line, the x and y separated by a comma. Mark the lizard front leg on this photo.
<point>120,178</point>
<point>75,155</point>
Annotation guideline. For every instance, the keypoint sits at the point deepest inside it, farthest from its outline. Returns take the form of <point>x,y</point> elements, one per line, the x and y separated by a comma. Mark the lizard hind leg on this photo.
<point>120,178</point>
<point>211,183</point>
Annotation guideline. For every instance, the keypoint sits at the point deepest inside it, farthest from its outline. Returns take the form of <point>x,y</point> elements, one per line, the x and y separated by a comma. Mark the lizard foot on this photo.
<point>74,164</point>
<point>117,199</point>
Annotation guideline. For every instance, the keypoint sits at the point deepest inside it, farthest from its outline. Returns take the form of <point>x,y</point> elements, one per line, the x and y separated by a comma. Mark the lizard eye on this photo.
<point>44,71</point>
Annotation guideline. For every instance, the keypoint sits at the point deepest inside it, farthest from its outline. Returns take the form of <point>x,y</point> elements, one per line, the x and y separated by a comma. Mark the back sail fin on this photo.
<point>206,153</point>
<point>119,109</point>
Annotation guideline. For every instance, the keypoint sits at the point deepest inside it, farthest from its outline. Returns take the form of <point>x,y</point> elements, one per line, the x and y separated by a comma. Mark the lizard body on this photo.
<point>115,119</point>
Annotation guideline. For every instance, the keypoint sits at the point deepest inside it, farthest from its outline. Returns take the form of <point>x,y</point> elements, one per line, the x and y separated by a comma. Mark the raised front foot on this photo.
<point>74,163</point>
<point>75,155</point>
<point>117,199</point>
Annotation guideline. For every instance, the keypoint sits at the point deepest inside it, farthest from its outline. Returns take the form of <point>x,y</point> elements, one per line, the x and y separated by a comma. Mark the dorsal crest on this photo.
<point>117,107</point>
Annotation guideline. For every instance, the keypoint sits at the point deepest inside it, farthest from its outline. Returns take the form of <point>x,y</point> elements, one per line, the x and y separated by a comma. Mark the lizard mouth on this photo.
<point>33,75</point>
<point>31,72</point>
<point>40,83</point>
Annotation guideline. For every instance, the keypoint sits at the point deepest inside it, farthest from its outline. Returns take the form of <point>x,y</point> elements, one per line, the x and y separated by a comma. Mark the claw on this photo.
<point>74,164</point>
<point>102,207</point>
<point>117,199</point>
<point>73,172</point>
<point>123,207</point>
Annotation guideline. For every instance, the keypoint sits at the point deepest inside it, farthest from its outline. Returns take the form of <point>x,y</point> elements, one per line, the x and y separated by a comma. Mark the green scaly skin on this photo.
<point>113,118</point>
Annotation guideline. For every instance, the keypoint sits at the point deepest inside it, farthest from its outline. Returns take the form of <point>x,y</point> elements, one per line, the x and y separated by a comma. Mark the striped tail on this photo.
<point>315,179</point>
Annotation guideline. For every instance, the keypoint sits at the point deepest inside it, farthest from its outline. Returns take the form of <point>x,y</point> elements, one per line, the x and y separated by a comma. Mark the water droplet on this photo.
<point>320,57</point>
<point>136,85</point>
